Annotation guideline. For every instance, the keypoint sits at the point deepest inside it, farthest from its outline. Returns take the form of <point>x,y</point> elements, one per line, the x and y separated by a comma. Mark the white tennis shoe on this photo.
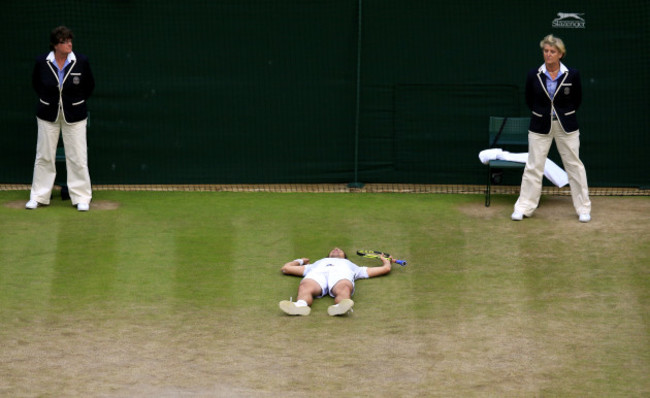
<point>31,205</point>
<point>290,308</point>
<point>342,308</point>
<point>517,216</point>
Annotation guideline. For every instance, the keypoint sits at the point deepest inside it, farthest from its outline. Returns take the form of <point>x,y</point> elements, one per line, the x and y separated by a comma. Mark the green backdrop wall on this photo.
<point>298,91</point>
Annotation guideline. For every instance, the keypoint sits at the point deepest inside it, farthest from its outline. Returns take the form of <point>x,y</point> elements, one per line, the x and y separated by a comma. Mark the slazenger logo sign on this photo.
<point>570,20</point>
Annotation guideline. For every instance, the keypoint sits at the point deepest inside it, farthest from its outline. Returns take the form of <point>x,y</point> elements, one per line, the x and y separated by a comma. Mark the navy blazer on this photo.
<point>567,100</point>
<point>78,85</point>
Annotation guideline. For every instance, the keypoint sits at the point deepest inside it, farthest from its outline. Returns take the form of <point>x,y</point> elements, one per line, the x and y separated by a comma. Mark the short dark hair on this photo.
<point>60,34</point>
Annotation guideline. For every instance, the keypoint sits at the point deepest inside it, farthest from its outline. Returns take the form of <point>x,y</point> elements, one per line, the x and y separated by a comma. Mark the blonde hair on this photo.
<point>555,42</point>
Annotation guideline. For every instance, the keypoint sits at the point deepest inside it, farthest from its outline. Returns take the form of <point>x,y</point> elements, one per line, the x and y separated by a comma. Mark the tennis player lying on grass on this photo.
<point>333,275</point>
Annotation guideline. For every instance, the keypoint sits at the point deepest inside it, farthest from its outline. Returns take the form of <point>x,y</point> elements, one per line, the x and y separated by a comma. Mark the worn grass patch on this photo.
<point>175,294</point>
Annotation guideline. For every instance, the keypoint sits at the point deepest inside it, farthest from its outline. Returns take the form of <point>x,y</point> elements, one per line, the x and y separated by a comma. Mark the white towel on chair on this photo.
<point>552,171</point>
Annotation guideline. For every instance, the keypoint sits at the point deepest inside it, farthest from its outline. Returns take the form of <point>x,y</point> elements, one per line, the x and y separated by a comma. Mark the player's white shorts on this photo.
<point>328,277</point>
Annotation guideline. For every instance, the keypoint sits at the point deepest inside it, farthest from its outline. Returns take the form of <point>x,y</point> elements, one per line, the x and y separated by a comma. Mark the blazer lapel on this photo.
<point>70,67</point>
<point>542,82</point>
<point>561,82</point>
<point>52,68</point>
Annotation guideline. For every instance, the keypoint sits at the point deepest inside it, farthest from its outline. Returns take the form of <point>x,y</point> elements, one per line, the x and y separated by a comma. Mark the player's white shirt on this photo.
<point>341,265</point>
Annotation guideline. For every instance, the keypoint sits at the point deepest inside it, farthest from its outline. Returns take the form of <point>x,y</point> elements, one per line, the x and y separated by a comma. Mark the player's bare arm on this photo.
<point>385,267</point>
<point>295,267</point>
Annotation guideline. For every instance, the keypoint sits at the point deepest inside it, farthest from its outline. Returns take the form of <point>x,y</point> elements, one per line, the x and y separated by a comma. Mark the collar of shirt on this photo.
<point>563,70</point>
<point>71,57</point>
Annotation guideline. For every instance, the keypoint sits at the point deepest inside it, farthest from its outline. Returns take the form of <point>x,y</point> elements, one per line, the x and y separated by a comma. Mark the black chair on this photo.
<point>507,133</point>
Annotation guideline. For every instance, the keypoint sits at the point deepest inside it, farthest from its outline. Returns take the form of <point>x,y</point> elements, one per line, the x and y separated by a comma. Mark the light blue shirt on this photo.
<point>61,71</point>
<point>551,85</point>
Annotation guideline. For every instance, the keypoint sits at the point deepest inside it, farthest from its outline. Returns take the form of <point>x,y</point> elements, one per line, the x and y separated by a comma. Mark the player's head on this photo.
<point>337,253</point>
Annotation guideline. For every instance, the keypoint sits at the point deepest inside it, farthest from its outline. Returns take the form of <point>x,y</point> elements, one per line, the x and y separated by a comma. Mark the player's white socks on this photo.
<point>301,303</point>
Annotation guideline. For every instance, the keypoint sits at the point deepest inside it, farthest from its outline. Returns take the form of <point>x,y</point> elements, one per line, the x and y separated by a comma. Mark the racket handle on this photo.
<point>401,262</point>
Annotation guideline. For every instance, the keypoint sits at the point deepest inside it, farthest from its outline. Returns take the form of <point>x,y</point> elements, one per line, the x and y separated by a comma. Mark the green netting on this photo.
<point>265,91</point>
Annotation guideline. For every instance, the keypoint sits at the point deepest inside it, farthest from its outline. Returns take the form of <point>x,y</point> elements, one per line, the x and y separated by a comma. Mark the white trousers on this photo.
<point>568,145</point>
<point>76,160</point>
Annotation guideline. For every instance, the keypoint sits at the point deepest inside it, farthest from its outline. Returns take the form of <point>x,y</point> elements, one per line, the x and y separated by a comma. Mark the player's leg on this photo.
<point>342,292</point>
<point>307,290</point>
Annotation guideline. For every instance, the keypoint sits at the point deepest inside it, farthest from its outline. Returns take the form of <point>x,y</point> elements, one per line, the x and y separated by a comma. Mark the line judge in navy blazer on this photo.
<point>63,82</point>
<point>553,94</point>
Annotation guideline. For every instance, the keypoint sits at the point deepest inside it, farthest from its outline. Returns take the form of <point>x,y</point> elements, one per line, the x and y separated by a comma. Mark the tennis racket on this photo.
<point>378,254</point>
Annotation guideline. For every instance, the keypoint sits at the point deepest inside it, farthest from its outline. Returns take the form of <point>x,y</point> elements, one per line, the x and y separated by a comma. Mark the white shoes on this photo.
<point>32,204</point>
<point>517,216</point>
<point>341,308</point>
<point>290,308</point>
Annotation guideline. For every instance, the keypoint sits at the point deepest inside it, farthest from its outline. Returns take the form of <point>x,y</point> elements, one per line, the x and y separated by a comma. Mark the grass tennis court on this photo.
<point>175,294</point>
